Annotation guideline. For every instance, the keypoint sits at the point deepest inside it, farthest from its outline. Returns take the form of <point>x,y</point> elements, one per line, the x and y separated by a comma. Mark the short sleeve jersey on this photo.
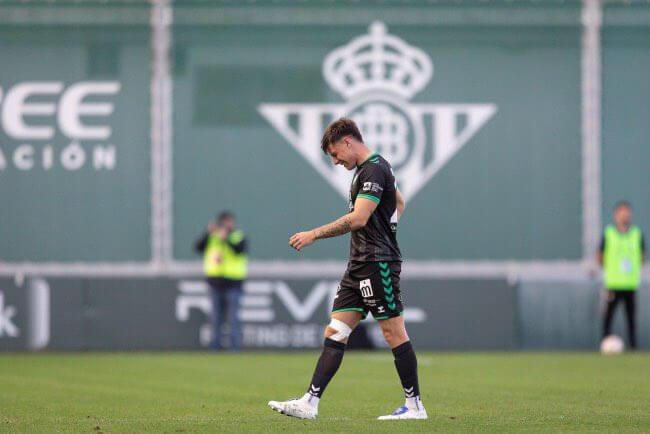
<point>377,241</point>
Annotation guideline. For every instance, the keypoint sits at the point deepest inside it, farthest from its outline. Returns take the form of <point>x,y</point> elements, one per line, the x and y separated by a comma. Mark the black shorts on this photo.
<point>370,287</point>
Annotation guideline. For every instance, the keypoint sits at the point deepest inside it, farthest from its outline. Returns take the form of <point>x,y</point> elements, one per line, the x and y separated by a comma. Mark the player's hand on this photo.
<point>302,239</point>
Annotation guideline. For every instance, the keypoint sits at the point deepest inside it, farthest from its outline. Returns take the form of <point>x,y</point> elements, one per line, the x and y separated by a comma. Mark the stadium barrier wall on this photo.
<point>172,314</point>
<point>559,315</point>
<point>155,314</point>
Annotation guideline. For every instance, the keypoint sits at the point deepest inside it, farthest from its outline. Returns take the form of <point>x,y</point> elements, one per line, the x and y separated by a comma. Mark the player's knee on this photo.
<point>388,334</point>
<point>337,330</point>
<point>394,335</point>
<point>329,331</point>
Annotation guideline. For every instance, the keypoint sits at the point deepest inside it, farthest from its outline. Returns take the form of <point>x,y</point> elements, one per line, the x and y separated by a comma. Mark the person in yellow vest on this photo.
<point>622,254</point>
<point>225,263</point>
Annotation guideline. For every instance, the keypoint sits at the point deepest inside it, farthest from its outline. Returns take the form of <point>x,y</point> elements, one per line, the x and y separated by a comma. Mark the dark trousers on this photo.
<point>225,295</point>
<point>629,299</point>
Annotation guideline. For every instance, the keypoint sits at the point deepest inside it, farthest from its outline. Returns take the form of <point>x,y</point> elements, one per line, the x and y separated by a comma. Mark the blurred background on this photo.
<point>127,126</point>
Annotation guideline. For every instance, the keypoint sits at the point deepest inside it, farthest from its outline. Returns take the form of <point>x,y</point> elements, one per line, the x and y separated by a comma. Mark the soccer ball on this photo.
<point>611,345</point>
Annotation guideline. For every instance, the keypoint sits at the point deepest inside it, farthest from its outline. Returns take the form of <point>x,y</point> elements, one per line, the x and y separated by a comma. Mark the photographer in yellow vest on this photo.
<point>622,254</point>
<point>225,264</point>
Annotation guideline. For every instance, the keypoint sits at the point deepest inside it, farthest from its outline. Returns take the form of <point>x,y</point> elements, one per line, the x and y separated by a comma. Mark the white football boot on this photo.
<point>302,408</point>
<point>412,409</point>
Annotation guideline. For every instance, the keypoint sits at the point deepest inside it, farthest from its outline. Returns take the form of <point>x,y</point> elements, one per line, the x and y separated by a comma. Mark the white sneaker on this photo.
<point>405,412</point>
<point>300,408</point>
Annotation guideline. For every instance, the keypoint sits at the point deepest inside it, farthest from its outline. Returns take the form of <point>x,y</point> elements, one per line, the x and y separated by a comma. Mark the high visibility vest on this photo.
<point>622,258</point>
<point>220,260</point>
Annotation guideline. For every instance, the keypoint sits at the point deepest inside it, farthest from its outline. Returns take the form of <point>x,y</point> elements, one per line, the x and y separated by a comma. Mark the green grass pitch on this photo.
<point>200,392</point>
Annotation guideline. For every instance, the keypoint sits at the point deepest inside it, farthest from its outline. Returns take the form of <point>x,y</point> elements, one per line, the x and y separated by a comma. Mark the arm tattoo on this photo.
<point>338,227</point>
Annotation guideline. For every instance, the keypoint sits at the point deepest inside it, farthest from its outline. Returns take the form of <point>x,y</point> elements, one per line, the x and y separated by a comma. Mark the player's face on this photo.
<point>341,154</point>
<point>228,224</point>
<point>623,216</point>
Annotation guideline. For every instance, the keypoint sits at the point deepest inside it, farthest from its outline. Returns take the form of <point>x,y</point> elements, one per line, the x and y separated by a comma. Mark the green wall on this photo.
<point>626,92</point>
<point>78,213</point>
<point>513,191</point>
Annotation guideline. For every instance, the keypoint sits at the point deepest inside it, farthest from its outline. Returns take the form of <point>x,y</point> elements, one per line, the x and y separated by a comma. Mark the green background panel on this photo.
<point>513,192</point>
<point>83,215</point>
<point>626,130</point>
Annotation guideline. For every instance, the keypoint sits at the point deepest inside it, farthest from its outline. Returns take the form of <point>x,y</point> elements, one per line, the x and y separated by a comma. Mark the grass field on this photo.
<point>197,392</point>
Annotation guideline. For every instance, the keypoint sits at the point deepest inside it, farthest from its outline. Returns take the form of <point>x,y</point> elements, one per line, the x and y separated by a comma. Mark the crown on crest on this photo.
<point>377,61</point>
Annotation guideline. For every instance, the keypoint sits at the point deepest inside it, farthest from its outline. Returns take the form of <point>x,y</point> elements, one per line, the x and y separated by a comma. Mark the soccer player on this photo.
<point>371,281</point>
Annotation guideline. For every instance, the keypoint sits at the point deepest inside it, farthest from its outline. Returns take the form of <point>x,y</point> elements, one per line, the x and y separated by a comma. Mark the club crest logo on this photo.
<point>377,74</point>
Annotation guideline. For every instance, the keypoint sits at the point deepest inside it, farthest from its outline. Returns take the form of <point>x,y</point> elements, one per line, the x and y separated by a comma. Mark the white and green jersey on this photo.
<point>377,241</point>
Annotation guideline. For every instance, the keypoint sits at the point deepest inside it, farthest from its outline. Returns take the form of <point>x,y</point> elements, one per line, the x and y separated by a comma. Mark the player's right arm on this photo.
<point>353,221</point>
<point>372,181</point>
<point>601,251</point>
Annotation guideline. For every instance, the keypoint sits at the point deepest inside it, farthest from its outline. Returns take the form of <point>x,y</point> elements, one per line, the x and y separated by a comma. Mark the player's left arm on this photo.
<point>643,250</point>
<point>401,203</point>
<point>357,219</point>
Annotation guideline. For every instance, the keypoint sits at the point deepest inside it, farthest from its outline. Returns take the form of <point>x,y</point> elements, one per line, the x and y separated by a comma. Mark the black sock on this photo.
<point>328,363</point>
<point>407,368</point>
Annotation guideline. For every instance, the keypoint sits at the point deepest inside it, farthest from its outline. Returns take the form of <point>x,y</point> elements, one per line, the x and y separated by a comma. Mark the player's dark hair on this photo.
<point>622,204</point>
<point>225,215</point>
<point>337,130</point>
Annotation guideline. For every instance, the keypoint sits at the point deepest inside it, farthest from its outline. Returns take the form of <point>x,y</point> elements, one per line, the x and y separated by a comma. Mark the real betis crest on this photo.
<point>377,74</point>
